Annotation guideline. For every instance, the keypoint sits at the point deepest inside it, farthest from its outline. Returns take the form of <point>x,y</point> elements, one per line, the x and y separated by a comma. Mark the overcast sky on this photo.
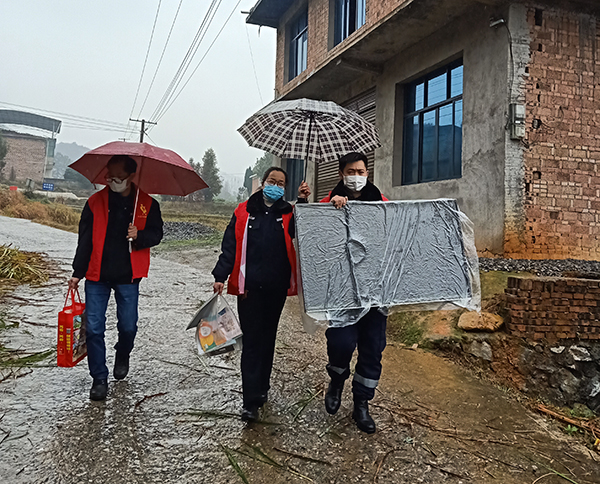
<point>85,58</point>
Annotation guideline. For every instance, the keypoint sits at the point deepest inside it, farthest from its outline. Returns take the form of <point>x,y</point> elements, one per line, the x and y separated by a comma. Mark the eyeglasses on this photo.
<point>272,183</point>
<point>110,179</point>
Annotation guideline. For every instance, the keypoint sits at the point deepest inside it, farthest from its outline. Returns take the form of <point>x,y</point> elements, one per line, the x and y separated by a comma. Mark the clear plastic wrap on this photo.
<point>217,328</point>
<point>416,254</point>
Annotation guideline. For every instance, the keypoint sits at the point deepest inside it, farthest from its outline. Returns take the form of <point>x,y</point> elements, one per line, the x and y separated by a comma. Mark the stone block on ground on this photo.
<point>483,321</point>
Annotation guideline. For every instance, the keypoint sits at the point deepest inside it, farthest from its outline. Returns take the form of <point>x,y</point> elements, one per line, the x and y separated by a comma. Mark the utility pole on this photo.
<point>143,128</point>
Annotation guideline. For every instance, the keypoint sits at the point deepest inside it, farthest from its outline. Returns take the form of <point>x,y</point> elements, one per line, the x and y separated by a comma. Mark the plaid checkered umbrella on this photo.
<point>309,130</point>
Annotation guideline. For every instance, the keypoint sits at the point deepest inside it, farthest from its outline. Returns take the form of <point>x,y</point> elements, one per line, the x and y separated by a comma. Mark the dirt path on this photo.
<point>175,417</point>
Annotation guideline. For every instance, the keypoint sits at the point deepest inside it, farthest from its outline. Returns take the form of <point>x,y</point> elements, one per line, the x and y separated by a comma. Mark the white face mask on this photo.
<point>118,187</point>
<point>355,183</point>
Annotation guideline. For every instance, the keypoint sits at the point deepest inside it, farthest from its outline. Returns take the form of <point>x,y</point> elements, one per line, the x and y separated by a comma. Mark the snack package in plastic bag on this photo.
<point>217,328</point>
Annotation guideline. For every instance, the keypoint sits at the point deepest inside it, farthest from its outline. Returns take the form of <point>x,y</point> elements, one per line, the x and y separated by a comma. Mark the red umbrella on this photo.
<point>160,171</point>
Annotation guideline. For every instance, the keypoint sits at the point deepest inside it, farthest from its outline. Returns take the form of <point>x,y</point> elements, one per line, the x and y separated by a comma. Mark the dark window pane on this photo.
<point>429,147</point>
<point>298,45</point>
<point>411,151</point>
<point>437,89</point>
<point>445,141</point>
<point>458,114</point>
<point>419,97</point>
<point>415,98</point>
<point>456,81</point>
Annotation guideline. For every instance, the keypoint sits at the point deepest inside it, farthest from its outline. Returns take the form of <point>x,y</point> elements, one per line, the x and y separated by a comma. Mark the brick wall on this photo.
<point>26,156</point>
<point>318,36</point>
<point>554,308</point>
<point>562,181</point>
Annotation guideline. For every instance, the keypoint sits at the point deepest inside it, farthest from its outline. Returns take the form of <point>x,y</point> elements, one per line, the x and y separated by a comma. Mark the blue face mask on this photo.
<point>273,192</point>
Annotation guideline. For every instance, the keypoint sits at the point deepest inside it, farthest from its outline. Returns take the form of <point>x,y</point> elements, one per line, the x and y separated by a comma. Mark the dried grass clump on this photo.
<point>8,198</point>
<point>63,215</point>
<point>28,210</point>
<point>22,267</point>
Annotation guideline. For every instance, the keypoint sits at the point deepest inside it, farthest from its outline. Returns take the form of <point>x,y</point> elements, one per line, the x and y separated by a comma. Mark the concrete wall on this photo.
<point>480,190</point>
<point>26,156</point>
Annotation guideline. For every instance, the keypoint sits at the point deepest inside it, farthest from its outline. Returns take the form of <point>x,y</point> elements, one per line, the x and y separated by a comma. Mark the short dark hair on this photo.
<point>271,170</point>
<point>352,157</point>
<point>129,164</point>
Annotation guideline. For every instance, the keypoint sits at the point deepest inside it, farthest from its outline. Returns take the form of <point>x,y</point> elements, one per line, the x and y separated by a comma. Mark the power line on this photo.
<point>253,65</point>
<point>145,60</point>
<point>161,58</point>
<point>206,22</point>
<point>199,63</point>
<point>66,115</point>
<point>187,60</point>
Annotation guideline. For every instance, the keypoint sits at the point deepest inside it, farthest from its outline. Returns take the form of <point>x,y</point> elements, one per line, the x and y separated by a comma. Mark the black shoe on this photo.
<point>99,390</point>
<point>333,397</point>
<point>250,414</point>
<point>121,366</point>
<point>361,416</point>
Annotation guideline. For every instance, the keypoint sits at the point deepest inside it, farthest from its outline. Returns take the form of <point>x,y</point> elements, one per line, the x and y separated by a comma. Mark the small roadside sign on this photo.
<point>48,186</point>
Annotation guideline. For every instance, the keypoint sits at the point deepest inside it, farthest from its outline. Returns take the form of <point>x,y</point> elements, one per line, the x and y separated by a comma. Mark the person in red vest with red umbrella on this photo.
<point>259,258</point>
<point>113,254</point>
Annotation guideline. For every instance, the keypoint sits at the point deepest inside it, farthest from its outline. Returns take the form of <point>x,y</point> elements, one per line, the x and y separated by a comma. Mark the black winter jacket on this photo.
<point>267,263</point>
<point>116,262</point>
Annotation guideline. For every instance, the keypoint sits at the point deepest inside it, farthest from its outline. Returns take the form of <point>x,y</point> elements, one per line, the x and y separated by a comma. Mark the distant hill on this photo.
<point>72,150</point>
<point>65,154</point>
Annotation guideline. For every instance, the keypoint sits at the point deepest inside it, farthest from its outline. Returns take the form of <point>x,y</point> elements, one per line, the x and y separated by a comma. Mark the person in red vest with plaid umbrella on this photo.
<point>258,256</point>
<point>118,226</point>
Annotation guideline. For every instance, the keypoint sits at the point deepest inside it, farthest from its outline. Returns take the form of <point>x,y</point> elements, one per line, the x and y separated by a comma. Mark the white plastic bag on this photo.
<point>217,327</point>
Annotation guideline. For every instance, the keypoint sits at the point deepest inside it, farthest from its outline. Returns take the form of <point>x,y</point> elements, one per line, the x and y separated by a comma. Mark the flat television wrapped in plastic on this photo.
<point>416,254</point>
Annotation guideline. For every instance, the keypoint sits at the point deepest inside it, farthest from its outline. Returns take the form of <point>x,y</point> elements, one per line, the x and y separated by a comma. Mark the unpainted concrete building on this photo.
<point>26,158</point>
<point>495,103</point>
<point>29,156</point>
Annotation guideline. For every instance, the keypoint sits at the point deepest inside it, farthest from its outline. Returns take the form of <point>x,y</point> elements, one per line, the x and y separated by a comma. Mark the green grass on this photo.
<point>406,327</point>
<point>493,283</point>
<point>11,359</point>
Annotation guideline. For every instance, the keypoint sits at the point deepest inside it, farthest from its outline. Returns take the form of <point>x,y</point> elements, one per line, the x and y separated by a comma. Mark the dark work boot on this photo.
<point>121,366</point>
<point>361,415</point>
<point>250,413</point>
<point>333,397</point>
<point>99,390</point>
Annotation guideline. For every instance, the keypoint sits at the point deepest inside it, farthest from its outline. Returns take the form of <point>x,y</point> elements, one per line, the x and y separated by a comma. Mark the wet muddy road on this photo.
<point>175,417</point>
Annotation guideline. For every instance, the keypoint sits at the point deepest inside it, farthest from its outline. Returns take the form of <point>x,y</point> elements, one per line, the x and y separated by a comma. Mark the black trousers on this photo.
<point>259,312</point>
<point>369,335</point>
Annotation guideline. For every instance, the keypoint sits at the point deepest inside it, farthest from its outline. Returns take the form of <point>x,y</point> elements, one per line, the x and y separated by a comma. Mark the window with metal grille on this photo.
<point>298,45</point>
<point>433,126</point>
<point>349,16</point>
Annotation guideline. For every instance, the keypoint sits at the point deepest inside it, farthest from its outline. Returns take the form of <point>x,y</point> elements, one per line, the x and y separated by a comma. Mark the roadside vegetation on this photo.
<point>18,267</point>
<point>38,209</point>
<point>64,215</point>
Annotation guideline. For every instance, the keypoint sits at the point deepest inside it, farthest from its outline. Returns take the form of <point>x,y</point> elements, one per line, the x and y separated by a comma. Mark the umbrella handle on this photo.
<point>311,117</point>
<point>137,195</point>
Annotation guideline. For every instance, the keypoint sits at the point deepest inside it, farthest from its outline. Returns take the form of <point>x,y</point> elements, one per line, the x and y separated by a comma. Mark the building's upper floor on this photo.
<point>324,44</point>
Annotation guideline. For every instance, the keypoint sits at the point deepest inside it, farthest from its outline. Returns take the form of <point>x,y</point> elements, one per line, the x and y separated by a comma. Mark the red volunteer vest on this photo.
<point>140,259</point>
<point>241,229</point>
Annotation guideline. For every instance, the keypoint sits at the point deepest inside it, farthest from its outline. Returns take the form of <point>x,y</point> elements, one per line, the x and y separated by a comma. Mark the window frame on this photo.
<point>408,117</point>
<point>294,41</point>
<point>346,18</point>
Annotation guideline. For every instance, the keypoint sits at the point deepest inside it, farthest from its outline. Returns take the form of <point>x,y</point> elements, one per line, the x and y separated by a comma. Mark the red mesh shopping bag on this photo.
<point>71,348</point>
